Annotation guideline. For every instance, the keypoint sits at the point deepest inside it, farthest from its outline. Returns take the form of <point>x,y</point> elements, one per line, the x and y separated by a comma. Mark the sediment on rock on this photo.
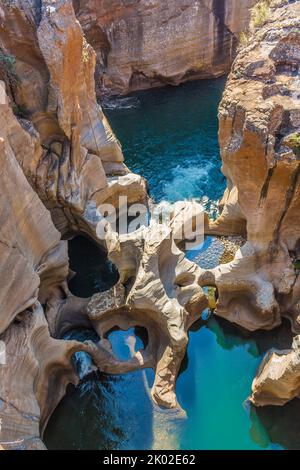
<point>54,144</point>
<point>55,149</point>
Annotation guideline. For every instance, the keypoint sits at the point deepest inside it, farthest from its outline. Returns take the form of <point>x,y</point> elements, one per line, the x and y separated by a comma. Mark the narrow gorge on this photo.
<point>124,106</point>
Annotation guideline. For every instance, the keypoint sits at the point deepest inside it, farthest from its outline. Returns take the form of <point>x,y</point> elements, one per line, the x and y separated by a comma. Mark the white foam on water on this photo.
<point>121,103</point>
<point>186,181</point>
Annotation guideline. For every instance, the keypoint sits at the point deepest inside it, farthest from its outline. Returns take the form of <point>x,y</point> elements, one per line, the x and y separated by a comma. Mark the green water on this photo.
<point>170,136</point>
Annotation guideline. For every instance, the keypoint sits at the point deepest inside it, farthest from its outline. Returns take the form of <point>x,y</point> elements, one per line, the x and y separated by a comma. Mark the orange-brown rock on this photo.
<point>142,44</point>
<point>54,151</point>
<point>32,382</point>
<point>48,68</point>
<point>54,140</point>
<point>260,141</point>
<point>278,378</point>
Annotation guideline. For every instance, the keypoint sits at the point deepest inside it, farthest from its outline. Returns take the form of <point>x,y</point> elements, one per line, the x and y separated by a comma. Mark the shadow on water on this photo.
<point>94,273</point>
<point>278,424</point>
<point>116,412</point>
<point>170,137</point>
<point>102,412</point>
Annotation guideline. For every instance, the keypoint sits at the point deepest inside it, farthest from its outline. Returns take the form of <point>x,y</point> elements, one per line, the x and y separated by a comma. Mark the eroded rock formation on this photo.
<point>160,292</point>
<point>259,138</point>
<point>142,44</point>
<point>260,145</point>
<point>55,146</point>
<point>59,162</point>
<point>45,54</point>
<point>278,378</point>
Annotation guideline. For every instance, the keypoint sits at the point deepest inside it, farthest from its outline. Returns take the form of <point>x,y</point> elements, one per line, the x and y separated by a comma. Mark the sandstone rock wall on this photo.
<point>48,68</point>
<point>259,140</point>
<point>58,157</point>
<point>59,161</point>
<point>260,145</point>
<point>141,44</point>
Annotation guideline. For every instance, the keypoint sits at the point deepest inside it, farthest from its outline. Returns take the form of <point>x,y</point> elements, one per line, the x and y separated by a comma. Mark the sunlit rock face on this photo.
<point>158,290</point>
<point>142,44</point>
<point>60,160</point>
<point>278,378</point>
<point>55,148</point>
<point>48,68</point>
<point>259,139</point>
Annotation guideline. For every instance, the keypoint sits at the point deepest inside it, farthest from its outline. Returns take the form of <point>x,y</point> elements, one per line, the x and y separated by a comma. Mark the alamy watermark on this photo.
<point>182,221</point>
<point>2,353</point>
<point>2,93</point>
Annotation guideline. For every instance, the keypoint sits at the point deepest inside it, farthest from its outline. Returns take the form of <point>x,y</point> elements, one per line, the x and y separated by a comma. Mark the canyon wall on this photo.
<point>142,44</point>
<point>59,161</point>
<point>260,145</point>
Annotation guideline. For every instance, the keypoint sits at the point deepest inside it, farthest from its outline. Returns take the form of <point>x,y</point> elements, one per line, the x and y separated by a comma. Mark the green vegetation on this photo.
<point>296,264</point>
<point>244,39</point>
<point>293,141</point>
<point>211,296</point>
<point>8,68</point>
<point>260,14</point>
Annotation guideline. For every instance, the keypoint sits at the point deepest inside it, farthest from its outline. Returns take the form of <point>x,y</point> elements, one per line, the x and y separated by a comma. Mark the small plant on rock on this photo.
<point>260,14</point>
<point>8,69</point>
<point>293,141</point>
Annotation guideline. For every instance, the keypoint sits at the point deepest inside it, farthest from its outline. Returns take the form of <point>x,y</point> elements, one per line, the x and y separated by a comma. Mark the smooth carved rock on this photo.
<point>33,381</point>
<point>278,378</point>
<point>53,140</point>
<point>70,142</point>
<point>158,290</point>
<point>47,163</point>
<point>33,259</point>
<point>141,44</point>
<point>259,123</point>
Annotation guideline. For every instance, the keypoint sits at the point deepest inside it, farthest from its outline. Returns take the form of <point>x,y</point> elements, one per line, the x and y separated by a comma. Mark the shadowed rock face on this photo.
<point>55,148</point>
<point>52,92</point>
<point>59,161</point>
<point>260,145</point>
<point>142,44</point>
<point>259,138</point>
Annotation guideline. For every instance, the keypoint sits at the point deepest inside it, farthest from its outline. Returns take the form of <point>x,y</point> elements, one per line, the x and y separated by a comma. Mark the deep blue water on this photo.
<point>170,136</point>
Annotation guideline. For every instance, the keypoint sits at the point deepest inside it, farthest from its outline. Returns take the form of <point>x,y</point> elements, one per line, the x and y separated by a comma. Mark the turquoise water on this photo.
<point>170,136</point>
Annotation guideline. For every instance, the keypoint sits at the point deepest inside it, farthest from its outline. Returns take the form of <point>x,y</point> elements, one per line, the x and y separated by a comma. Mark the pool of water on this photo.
<point>170,137</point>
<point>115,412</point>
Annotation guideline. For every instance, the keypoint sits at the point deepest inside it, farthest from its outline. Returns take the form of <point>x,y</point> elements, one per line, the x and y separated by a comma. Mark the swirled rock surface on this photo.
<point>60,161</point>
<point>260,145</point>
<point>259,139</point>
<point>48,68</point>
<point>278,378</point>
<point>142,44</point>
<point>55,145</point>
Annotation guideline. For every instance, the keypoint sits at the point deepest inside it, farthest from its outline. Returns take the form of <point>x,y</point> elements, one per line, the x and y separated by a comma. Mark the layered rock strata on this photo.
<point>60,160</point>
<point>55,145</point>
<point>260,145</point>
<point>259,140</point>
<point>142,44</point>
<point>48,68</point>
